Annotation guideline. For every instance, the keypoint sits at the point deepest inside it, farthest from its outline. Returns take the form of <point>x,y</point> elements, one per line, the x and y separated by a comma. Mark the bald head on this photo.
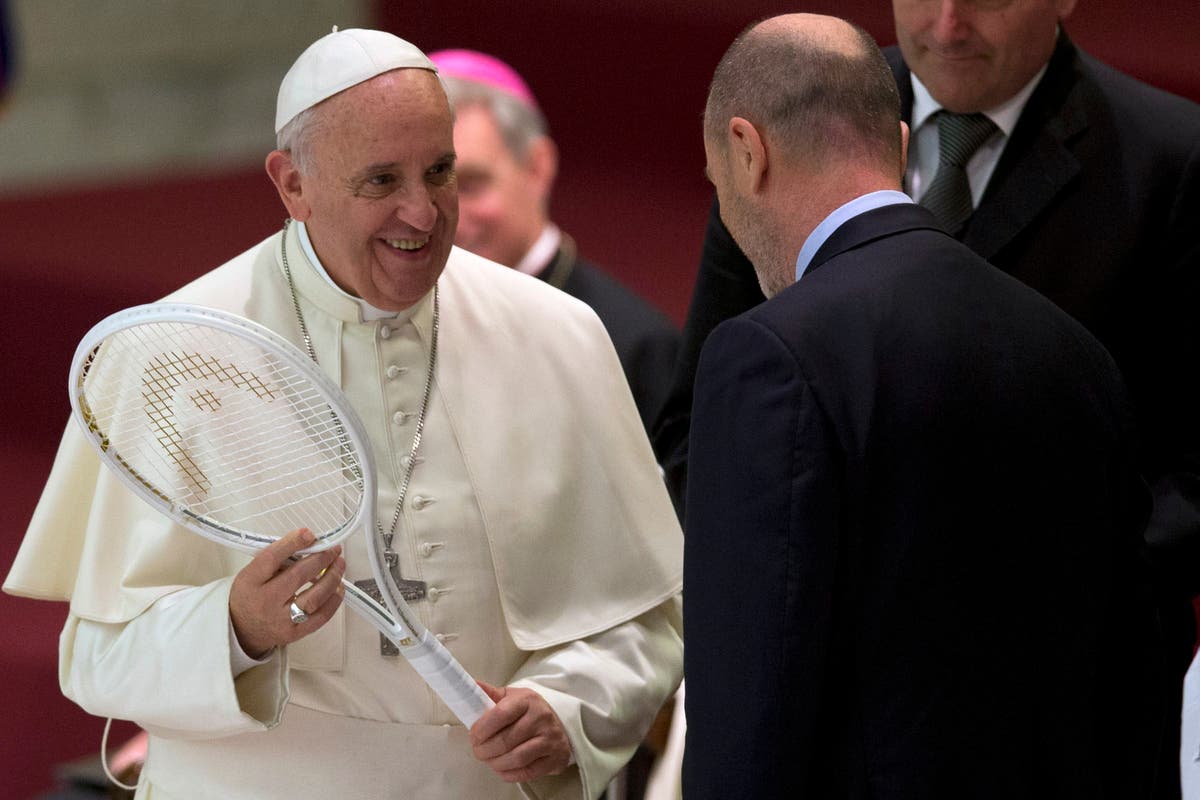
<point>817,86</point>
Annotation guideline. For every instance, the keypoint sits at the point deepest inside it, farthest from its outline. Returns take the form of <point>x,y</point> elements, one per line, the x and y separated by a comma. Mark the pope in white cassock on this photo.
<point>534,517</point>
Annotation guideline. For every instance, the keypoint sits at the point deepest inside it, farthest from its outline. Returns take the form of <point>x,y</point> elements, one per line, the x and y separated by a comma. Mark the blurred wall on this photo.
<point>114,89</point>
<point>130,162</point>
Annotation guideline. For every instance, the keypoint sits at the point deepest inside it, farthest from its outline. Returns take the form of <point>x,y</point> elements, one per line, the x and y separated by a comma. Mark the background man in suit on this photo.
<point>507,163</point>
<point>1088,191</point>
<point>914,510</point>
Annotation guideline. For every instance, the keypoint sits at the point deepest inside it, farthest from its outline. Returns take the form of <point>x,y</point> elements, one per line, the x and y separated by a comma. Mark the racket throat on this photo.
<point>411,591</point>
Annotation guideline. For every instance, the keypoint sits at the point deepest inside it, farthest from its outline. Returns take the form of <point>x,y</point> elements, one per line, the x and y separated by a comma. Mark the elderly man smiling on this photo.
<point>535,527</point>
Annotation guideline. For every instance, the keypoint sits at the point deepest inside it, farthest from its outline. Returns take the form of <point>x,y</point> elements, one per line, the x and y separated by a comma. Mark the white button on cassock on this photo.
<point>401,417</point>
<point>384,332</point>
<point>394,372</point>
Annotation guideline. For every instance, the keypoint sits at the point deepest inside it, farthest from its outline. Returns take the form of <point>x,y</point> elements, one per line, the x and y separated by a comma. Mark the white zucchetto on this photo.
<point>339,60</point>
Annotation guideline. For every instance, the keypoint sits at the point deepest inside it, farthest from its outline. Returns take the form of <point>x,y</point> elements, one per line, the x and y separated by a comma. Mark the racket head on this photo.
<point>222,425</point>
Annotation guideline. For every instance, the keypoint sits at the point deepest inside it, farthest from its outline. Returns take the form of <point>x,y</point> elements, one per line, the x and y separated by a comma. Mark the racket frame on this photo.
<point>265,339</point>
<point>397,620</point>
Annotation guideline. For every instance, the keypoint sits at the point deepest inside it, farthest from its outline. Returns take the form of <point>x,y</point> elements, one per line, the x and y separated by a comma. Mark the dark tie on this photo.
<point>949,195</point>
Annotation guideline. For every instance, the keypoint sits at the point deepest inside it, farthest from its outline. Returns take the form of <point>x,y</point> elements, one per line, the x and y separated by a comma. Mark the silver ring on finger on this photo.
<point>297,614</point>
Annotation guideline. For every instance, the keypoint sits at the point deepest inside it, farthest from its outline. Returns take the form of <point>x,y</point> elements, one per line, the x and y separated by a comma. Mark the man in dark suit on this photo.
<point>506,167</point>
<point>1089,192</point>
<point>914,509</point>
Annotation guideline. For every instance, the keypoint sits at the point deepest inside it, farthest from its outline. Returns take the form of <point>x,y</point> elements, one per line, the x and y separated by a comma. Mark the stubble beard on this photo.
<point>776,276</point>
<point>763,246</point>
<point>772,265</point>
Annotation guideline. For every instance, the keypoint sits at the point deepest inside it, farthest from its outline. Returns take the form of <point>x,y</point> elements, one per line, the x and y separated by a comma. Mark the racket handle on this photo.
<point>429,657</point>
<point>447,678</point>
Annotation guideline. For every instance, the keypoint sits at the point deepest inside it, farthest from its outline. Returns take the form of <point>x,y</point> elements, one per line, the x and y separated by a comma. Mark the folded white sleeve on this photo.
<point>169,669</point>
<point>606,690</point>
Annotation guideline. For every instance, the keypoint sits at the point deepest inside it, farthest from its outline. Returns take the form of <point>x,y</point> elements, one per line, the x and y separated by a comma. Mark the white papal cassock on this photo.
<point>536,516</point>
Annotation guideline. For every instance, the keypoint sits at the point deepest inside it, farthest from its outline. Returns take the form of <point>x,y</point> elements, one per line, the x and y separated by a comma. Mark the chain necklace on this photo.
<point>389,554</point>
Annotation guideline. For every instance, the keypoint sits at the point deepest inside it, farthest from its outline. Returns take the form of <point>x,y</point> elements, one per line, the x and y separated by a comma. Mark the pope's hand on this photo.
<point>264,590</point>
<point>521,738</point>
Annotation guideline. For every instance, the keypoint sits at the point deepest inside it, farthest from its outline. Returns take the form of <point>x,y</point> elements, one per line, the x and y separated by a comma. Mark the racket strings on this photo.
<point>222,428</point>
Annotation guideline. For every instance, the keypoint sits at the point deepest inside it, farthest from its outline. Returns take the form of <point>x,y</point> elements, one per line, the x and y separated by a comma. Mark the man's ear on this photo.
<point>288,182</point>
<point>748,155</point>
<point>541,162</point>
<point>903,151</point>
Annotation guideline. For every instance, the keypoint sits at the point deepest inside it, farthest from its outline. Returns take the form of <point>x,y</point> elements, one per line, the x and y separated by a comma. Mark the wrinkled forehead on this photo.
<point>399,115</point>
<point>401,96</point>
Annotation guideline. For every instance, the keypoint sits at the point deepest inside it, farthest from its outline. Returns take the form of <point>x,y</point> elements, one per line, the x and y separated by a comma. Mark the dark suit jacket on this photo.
<point>911,563</point>
<point>1095,203</point>
<point>646,341</point>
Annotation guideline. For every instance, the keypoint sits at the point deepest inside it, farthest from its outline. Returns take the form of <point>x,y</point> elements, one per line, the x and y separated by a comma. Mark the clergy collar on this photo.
<point>366,311</point>
<point>1004,116</point>
<point>542,252</point>
<point>315,283</point>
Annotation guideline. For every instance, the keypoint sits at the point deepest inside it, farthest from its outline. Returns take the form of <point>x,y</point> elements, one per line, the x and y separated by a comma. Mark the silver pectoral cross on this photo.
<point>411,591</point>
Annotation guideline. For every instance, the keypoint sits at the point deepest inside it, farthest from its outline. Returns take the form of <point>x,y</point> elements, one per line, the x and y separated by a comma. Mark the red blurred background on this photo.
<point>623,85</point>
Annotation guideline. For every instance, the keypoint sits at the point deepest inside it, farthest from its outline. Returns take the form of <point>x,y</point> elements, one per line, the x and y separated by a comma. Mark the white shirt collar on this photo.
<point>542,252</point>
<point>924,145</point>
<point>368,312</point>
<point>1004,116</point>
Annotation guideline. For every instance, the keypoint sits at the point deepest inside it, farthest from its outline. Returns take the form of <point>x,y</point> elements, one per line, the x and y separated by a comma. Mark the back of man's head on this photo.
<point>818,87</point>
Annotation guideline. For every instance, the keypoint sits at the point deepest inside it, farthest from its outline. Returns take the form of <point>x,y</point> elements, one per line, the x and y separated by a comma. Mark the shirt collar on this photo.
<point>368,312</point>
<point>1004,116</point>
<point>542,252</point>
<point>859,205</point>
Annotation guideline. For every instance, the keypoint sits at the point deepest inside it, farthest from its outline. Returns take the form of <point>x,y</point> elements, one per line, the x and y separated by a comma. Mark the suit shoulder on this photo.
<point>781,322</point>
<point>895,60</point>
<point>617,306</point>
<point>1155,112</point>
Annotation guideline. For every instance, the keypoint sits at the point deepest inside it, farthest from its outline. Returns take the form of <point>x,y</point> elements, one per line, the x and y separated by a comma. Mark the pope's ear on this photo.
<point>289,183</point>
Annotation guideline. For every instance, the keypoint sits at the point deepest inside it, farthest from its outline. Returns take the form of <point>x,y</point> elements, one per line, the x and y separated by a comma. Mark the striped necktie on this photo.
<point>949,195</point>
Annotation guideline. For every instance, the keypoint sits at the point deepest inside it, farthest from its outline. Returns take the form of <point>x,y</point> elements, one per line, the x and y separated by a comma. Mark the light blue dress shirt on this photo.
<point>859,205</point>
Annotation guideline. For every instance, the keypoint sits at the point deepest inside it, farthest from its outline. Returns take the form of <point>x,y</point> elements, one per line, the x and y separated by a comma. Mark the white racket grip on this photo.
<point>446,676</point>
<point>428,657</point>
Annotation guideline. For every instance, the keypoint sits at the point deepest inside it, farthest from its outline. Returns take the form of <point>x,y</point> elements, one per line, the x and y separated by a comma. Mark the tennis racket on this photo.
<point>235,434</point>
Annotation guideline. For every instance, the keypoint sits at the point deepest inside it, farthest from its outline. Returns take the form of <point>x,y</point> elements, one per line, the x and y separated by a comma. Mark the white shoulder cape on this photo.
<point>581,531</point>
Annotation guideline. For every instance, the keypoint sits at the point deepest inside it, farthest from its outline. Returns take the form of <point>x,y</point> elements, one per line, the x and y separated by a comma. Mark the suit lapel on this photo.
<point>1036,163</point>
<point>559,270</point>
